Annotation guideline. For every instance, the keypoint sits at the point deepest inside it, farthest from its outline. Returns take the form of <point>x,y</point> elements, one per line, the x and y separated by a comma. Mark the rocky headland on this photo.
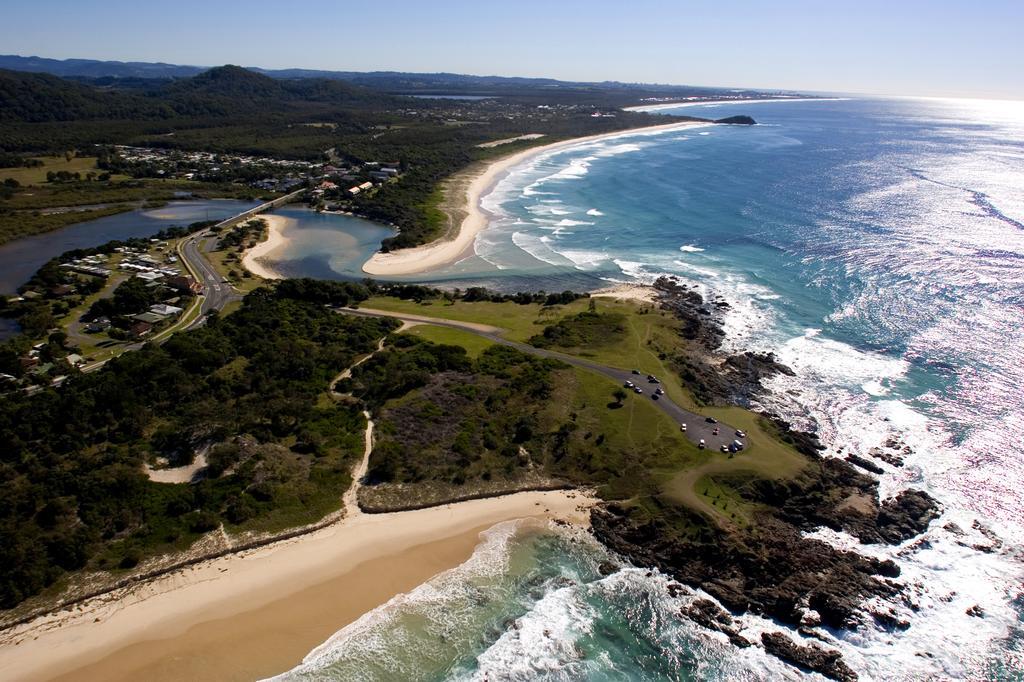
<point>769,566</point>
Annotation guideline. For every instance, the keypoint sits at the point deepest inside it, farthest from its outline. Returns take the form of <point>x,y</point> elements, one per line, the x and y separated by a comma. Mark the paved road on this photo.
<point>217,292</point>
<point>696,426</point>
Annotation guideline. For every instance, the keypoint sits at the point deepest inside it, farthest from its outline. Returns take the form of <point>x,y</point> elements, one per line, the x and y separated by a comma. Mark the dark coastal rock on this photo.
<point>976,611</point>
<point>738,379</point>
<point>706,613</point>
<point>804,442</point>
<point>863,463</point>
<point>698,323</point>
<point>889,620</point>
<point>906,515</point>
<point>771,573</point>
<point>737,120</point>
<point>889,458</point>
<point>811,657</point>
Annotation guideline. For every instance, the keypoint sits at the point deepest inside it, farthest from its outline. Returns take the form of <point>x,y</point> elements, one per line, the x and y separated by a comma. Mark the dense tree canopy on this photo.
<point>246,388</point>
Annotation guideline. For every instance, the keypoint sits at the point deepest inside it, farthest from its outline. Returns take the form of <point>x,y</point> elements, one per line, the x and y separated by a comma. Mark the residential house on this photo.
<point>150,318</point>
<point>140,329</point>
<point>185,283</point>
<point>165,310</point>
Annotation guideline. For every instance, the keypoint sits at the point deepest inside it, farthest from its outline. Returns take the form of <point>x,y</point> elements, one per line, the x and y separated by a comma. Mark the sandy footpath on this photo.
<point>450,250</point>
<point>259,613</point>
<point>255,259</point>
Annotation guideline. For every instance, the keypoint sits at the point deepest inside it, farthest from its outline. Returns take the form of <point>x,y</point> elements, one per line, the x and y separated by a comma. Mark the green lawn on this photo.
<point>37,176</point>
<point>521,321</point>
<point>473,343</point>
<point>647,333</point>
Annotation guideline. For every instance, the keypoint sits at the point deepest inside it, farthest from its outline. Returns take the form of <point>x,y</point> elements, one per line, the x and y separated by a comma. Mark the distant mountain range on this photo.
<point>390,81</point>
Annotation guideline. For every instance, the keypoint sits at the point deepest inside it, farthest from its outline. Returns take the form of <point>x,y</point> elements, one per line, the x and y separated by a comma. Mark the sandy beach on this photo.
<point>642,293</point>
<point>451,249</point>
<point>259,613</point>
<point>255,259</point>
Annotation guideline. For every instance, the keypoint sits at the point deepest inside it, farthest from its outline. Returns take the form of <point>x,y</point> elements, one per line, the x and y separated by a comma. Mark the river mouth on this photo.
<point>21,258</point>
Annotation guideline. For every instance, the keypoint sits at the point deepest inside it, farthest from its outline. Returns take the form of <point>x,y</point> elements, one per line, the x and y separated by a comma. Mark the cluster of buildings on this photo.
<point>358,179</point>
<point>94,265</point>
<point>261,172</point>
<point>145,266</point>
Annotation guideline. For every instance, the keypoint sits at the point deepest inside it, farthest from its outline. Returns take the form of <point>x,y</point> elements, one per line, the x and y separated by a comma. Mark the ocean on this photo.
<point>877,246</point>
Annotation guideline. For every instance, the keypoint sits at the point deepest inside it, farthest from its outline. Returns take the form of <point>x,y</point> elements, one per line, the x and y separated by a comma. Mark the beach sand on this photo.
<point>629,292</point>
<point>255,259</point>
<point>451,248</point>
<point>259,613</point>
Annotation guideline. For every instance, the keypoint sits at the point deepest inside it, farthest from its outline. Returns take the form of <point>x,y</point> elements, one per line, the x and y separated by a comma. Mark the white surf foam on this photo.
<point>444,602</point>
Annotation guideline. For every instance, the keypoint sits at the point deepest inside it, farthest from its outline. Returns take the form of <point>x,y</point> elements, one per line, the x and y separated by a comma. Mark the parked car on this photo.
<point>637,389</point>
<point>636,371</point>
<point>710,420</point>
<point>658,391</point>
<point>725,448</point>
<point>701,444</point>
<point>740,434</point>
<point>628,384</point>
<point>682,427</point>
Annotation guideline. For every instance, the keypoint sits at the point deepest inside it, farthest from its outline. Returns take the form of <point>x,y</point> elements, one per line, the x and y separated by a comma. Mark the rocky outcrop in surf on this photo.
<point>770,567</point>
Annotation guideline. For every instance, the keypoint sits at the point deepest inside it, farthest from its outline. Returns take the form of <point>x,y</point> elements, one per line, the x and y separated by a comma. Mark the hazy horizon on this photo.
<point>940,49</point>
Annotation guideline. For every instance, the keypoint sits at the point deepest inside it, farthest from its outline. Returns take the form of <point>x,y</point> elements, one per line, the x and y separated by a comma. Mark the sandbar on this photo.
<point>256,259</point>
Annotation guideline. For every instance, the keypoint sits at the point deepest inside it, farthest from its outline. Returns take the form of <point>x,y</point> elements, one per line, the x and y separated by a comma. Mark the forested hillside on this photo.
<point>245,392</point>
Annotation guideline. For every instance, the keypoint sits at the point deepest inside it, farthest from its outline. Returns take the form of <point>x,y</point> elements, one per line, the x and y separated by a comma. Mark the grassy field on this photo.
<point>674,470</point>
<point>645,446</point>
<point>647,333</point>
<point>473,343</point>
<point>37,175</point>
<point>521,321</point>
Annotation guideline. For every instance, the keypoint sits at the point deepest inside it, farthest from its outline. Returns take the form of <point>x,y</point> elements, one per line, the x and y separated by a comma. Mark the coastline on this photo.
<point>451,249</point>
<point>255,259</point>
<point>259,613</point>
<point>641,293</point>
<point>679,105</point>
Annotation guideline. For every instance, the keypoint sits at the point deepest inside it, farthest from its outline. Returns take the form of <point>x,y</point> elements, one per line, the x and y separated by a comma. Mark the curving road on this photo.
<point>697,427</point>
<point>217,293</point>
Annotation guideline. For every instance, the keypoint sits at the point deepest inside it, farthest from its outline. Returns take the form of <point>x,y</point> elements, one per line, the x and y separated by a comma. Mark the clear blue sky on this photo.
<point>941,47</point>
